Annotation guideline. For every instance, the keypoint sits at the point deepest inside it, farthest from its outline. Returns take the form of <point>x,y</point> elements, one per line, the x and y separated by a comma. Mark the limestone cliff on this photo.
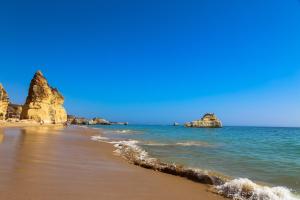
<point>4,101</point>
<point>44,103</point>
<point>209,120</point>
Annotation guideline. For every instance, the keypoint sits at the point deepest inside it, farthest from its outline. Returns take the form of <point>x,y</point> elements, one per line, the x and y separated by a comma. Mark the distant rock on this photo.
<point>4,101</point>
<point>95,121</point>
<point>44,104</point>
<point>209,120</point>
<point>14,111</point>
<point>80,121</point>
<point>101,121</point>
<point>70,119</point>
<point>77,120</point>
<point>91,122</point>
<point>84,121</point>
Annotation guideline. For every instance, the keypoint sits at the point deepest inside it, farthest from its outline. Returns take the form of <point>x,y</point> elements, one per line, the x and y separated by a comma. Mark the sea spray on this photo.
<point>245,189</point>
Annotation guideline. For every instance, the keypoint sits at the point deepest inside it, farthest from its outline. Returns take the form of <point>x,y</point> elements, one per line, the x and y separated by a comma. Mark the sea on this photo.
<point>265,160</point>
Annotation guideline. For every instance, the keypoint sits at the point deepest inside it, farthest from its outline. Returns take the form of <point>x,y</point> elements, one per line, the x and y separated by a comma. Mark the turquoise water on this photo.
<point>266,155</point>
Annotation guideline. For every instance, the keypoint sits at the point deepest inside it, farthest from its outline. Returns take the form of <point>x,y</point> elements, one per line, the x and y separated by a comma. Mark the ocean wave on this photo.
<point>237,189</point>
<point>245,189</point>
<point>155,144</point>
<point>203,144</point>
<point>131,151</point>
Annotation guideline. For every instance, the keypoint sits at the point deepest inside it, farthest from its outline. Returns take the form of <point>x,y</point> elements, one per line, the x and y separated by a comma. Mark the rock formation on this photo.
<point>43,104</point>
<point>4,101</point>
<point>209,120</point>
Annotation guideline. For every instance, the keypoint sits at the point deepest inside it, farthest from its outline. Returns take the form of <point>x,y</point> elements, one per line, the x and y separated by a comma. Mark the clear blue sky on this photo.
<point>158,61</point>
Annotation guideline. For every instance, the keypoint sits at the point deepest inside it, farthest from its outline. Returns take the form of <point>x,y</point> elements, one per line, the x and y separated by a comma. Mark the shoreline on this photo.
<point>224,185</point>
<point>66,161</point>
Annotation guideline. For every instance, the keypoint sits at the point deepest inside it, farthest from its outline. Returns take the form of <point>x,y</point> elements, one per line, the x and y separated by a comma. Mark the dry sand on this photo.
<point>49,162</point>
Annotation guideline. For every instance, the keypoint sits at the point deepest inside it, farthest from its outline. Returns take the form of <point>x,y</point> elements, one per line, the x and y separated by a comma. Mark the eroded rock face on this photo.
<point>44,103</point>
<point>4,101</point>
<point>209,120</point>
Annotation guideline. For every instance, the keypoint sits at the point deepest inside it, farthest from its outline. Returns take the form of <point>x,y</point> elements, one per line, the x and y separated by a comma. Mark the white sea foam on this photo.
<point>191,143</point>
<point>130,148</point>
<point>203,144</point>
<point>122,131</point>
<point>155,144</point>
<point>245,189</point>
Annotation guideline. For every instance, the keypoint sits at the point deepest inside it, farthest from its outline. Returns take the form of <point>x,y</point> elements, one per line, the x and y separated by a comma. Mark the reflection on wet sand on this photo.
<point>63,163</point>
<point>43,130</point>
<point>1,136</point>
<point>24,152</point>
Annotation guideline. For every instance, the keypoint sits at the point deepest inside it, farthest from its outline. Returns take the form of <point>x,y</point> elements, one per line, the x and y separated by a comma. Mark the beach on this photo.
<point>57,162</point>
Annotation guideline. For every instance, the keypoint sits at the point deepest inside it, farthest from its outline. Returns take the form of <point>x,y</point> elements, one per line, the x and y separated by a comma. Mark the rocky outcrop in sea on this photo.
<point>209,120</point>
<point>4,101</point>
<point>44,104</point>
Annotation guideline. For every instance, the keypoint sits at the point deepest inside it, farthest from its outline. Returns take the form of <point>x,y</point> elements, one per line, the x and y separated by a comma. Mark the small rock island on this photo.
<point>209,120</point>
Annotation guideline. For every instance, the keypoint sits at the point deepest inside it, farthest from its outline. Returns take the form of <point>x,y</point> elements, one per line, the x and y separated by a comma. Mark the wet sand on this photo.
<point>48,162</point>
